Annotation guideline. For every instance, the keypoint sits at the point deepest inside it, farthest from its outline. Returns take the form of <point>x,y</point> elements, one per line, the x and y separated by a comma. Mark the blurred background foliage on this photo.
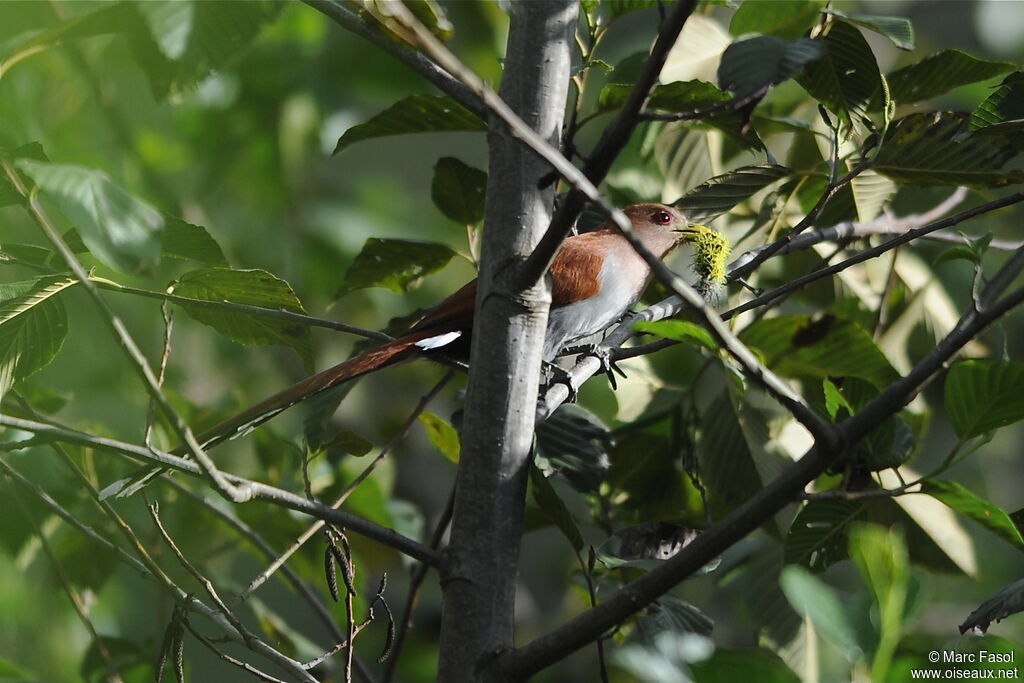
<point>236,134</point>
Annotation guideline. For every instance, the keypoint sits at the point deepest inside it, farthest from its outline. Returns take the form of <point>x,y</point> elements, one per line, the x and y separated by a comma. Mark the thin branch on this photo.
<point>137,359</point>
<point>613,140</point>
<point>259,490</point>
<point>232,307</point>
<point>311,531</point>
<point>524,661</point>
<point>413,59</point>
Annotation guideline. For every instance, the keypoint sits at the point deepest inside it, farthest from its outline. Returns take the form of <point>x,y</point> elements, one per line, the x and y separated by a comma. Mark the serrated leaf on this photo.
<point>897,29</point>
<point>458,190</point>
<point>444,437</point>
<point>754,64</point>
<point>555,508</point>
<point>834,400</point>
<point>990,516</point>
<point>939,73</point>
<point>982,395</point>
<point>817,538</point>
<point>395,265</point>
<point>720,194</point>
<point>120,229</point>
<point>250,287</point>
<point>934,148</point>
<point>799,346</point>
<point>814,599</point>
<point>33,325</point>
<point>414,114</point>
<point>574,442</point>
<point>1002,111</point>
<point>787,19</point>
<point>1009,600</point>
<point>191,242</point>
<point>681,331</point>
<point>846,78</point>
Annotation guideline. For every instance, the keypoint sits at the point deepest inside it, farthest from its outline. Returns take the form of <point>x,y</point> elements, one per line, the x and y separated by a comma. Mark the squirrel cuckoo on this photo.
<point>595,278</point>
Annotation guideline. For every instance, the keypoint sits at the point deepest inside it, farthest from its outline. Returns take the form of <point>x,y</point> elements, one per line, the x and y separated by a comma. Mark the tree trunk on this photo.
<point>508,334</point>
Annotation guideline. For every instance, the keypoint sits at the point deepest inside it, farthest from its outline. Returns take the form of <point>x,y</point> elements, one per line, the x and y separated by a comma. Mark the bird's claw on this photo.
<point>559,375</point>
<point>608,365</point>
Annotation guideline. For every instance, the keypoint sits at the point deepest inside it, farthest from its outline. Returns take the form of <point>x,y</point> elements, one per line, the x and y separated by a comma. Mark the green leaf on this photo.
<point>982,395</point>
<point>458,190</point>
<point>1002,111</point>
<point>960,251</point>
<point>33,325</point>
<point>350,442</point>
<point>575,443</point>
<point>871,193</point>
<point>731,665</point>
<point>679,96</point>
<point>120,229</point>
<point>726,461</point>
<point>720,194</point>
<point>787,19</point>
<point>934,148</point>
<point>938,74</point>
<point>881,556</point>
<point>817,538</point>
<point>555,508</point>
<point>444,437</point>
<point>799,346</point>
<point>18,254</point>
<point>847,78</point>
<point>814,599</point>
<point>253,288</point>
<point>897,29</point>
<point>414,114</point>
<point>834,400</point>
<point>754,64</point>
<point>674,615</point>
<point>191,242</point>
<point>681,331</point>
<point>396,265</point>
<point>990,516</point>
<point>617,8</point>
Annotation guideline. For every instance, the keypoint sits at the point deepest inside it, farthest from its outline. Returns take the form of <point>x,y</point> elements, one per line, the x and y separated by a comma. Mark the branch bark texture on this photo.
<point>479,581</point>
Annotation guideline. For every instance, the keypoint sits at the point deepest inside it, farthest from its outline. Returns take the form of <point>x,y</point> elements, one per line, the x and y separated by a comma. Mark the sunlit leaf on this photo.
<point>897,29</point>
<point>720,194</point>
<point>120,229</point>
<point>253,288</point>
<point>681,331</point>
<point>982,395</point>
<point>939,73</point>
<point>799,346</point>
<point>990,516</point>
<point>846,78</point>
<point>396,265</point>
<point>444,437</point>
<point>934,149</point>
<point>33,325</point>
<point>787,19</point>
<point>191,242</point>
<point>414,114</point>
<point>881,557</point>
<point>1003,111</point>
<point>458,190</point>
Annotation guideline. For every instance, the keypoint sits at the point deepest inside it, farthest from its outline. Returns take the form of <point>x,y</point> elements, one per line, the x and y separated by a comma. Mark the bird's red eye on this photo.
<point>661,217</point>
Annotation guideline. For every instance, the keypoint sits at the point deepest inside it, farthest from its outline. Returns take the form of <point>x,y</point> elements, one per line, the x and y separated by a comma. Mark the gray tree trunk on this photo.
<point>508,334</point>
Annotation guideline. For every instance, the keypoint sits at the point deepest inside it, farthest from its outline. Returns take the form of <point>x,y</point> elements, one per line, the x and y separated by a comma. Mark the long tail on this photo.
<point>387,354</point>
<point>375,359</point>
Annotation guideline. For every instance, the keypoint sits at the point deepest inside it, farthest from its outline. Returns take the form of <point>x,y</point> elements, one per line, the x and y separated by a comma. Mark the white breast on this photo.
<point>620,288</point>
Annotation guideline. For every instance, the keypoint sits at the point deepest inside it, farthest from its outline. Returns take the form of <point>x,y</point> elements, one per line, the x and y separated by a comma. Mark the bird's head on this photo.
<point>665,226</point>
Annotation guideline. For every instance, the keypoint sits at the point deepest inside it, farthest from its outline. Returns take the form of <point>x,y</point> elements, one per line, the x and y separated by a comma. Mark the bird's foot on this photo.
<point>604,355</point>
<point>559,375</point>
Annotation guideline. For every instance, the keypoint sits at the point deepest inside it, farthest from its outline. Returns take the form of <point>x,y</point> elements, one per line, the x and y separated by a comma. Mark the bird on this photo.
<point>596,277</point>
